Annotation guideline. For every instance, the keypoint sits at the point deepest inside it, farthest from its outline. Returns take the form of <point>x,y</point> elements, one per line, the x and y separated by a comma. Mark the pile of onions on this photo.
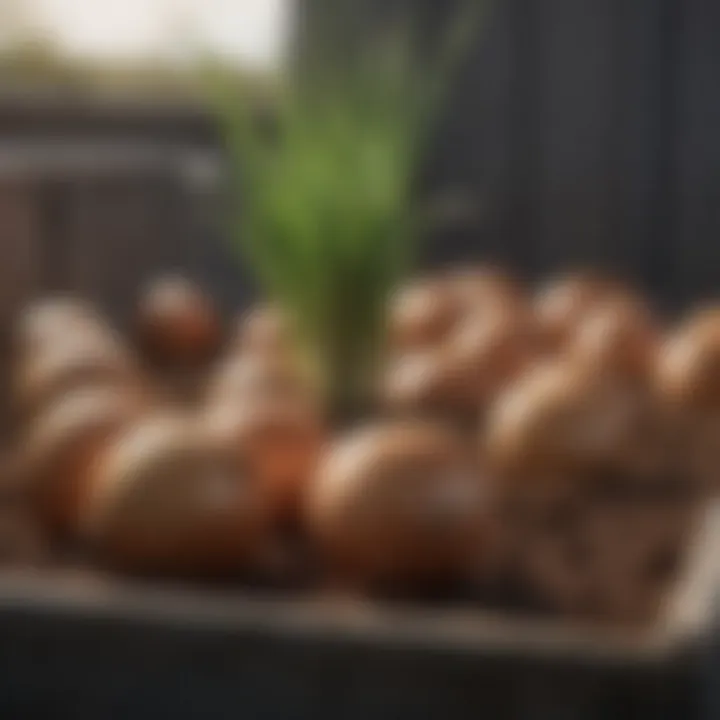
<point>583,409</point>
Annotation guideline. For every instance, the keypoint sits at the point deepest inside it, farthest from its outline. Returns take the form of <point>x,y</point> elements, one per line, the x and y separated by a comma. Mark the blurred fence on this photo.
<point>95,199</point>
<point>582,132</point>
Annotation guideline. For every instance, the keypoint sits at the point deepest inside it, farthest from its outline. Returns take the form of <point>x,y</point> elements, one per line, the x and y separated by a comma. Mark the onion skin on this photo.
<point>457,378</point>
<point>556,422</point>
<point>178,324</point>
<point>491,351</point>
<point>276,442</point>
<point>166,502</point>
<point>398,504</point>
<point>687,386</point>
<point>421,315</point>
<point>263,331</point>
<point>619,336</point>
<point>83,362</point>
<point>422,383</point>
<point>485,291</point>
<point>249,378</point>
<point>688,368</point>
<point>562,305</point>
<point>62,447</point>
<point>56,320</point>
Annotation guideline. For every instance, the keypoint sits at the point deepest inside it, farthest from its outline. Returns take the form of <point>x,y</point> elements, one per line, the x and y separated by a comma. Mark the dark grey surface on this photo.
<point>586,132</point>
<point>109,652</point>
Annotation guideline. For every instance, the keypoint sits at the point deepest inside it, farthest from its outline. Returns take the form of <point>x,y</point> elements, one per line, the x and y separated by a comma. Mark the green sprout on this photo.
<point>328,217</point>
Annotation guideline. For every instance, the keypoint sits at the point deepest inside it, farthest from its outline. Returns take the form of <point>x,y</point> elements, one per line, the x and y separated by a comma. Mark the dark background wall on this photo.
<point>584,132</point>
<point>581,132</point>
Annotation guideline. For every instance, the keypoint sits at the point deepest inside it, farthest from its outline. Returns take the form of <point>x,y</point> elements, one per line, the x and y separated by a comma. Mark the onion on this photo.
<point>62,447</point>
<point>252,377</point>
<point>485,290</point>
<point>44,323</point>
<point>619,336</point>
<point>489,351</point>
<point>397,504</point>
<point>687,382</point>
<point>562,305</point>
<point>688,368</point>
<point>264,331</point>
<point>421,315</point>
<point>277,443</point>
<point>166,501</point>
<point>81,361</point>
<point>418,382</point>
<point>556,421</point>
<point>178,323</point>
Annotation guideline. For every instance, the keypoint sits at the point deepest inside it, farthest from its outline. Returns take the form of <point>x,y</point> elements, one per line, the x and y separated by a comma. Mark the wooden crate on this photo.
<point>89,647</point>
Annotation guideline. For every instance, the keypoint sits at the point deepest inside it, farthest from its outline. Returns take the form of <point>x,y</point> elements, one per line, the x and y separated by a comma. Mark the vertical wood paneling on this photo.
<point>18,271</point>
<point>576,221</point>
<point>122,232</point>
<point>471,167</point>
<point>697,229</point>
<point>643,102</point>
<point>210,212</point>
<point>581,132</point>
<point>19,250</point>
<point>525,136</point>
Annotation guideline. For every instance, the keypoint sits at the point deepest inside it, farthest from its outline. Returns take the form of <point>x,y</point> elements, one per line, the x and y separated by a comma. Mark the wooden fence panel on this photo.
<point>696,238</point>
<point>470,170</point>
<point>573,191</point>
<point>581,132</point>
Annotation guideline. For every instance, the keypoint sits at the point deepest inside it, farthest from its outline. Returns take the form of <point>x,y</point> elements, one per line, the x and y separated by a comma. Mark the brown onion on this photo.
<point>556,421</point>
<point>63,445</point>
<point>263,330</point>
<point>562,305</point>
<point>687,382</point>
<point>421,315</point>
<point>485,290</point>
<point>491,350</point>
<point>277,443</point>
<point>49,321</point>
<point>250,377</point>
<point>620,336</point>
<point>178,323</point>
<point>81,361</point>
<point>688,368</point>
<point>166,501</point>
<point>419,382</point>
<point>397,504</point>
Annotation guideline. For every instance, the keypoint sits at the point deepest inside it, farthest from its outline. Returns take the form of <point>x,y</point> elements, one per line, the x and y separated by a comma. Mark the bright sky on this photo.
<point>251,30</point>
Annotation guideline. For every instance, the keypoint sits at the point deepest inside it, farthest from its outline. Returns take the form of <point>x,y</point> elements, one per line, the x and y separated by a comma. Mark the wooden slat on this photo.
<point>471,167</point>
<point>209,216</point>
<point>697,232</point>
<point>643,56</point>
<point>119,236</point>
<point>19,231</point>
<point>576,217</point>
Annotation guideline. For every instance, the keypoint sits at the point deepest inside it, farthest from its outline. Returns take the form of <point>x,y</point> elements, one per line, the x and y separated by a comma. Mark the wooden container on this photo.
<point>94,647</point>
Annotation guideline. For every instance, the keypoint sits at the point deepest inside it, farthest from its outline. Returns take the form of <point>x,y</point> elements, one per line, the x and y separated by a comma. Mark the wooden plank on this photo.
<point>470,170</point>
<point>19,235</point>
<point>643,131</point>
<point>696,250</point>
<point>576,217</point>
<point>119,237</point>
<point>19,278</point>
<point>208,215</point>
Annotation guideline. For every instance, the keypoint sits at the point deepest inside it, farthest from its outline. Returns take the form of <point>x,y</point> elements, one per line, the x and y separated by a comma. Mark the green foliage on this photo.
<point>327,217</point>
